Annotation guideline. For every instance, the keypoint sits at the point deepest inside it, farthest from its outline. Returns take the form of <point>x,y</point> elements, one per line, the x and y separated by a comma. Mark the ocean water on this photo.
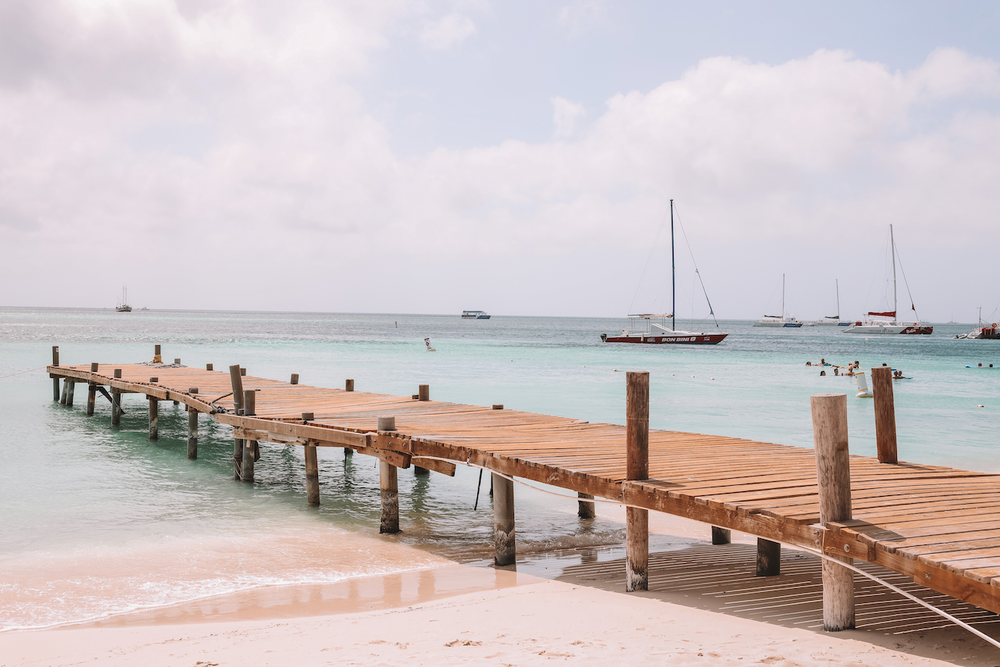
<point>99,521</point>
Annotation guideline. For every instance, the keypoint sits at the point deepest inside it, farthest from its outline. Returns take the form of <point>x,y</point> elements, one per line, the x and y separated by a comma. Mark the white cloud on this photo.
<point>565,115</point>
<point>447,32</point>
<point>579,16</point>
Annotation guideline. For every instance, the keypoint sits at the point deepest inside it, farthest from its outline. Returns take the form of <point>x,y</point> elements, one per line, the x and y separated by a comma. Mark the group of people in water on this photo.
<point>853,368</point>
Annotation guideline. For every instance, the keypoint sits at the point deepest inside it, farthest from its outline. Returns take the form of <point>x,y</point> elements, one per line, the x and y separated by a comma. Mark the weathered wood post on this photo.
<point>154,417</point>
<point>833,474</point>
<point>295,378</point>
<point>585,506</point>
<point>55,380</point>
<point>768,558</point>
<point>636,468</point>
<point>250,446</point>
<point>389,486</point>
<point>209,367</point>
<point>192,429</point>
<point>70,391</point>
<point>424,392</point>
<point>885,414</point>
<point>236,379</point>
<point>504,541</point>
<point>92,392</point>
<point>157,357</point>
<point>721,535</point>
<point>116,401</point>
<point>312,466</point>
<point>349,385</point>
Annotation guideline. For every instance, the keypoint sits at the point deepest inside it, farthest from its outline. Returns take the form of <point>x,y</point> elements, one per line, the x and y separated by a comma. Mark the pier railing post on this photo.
<point>295,378</point>
<point>157,356</point>
<point>636,468</point>
<point>116,401</point>
<point>424,392</point>
<point>504,541</point>
<point>349,385</point>
<point>250,446</point>
<point>55,380</point>
<point>236,379</point>
<point>833,474</point>
<point>192,452</point>
<point>585,506</point>
<point>885,414</point>
<point>92,392</point>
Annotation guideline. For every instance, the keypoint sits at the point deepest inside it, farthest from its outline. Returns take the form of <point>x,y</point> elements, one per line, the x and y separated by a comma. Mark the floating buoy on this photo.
<point>863,390</point>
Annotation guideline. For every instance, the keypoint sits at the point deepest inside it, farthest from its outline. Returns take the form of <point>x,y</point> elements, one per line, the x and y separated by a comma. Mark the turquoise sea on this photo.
<point>99,521</point>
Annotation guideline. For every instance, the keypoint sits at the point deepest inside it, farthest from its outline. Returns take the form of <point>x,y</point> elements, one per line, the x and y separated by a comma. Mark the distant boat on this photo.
<point>644,330</point>
<point>983,331</point>
<point>782,321</point>
<point>475,315</point>
<point>833,320</point>
<point>886,322</point>
<point>123,306</point>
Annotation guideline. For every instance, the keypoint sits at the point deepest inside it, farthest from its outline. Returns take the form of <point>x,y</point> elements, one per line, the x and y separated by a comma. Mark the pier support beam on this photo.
<point>504,543</point>
<point>636,468</point>
<point>236,380</point>
<point>65,392</point>
<point>885,414</point>
<point>154,418</point>
<point>192,429</point>
<point>92,392</point>
<point>312,475</point>
<point>768,558</point>
<point>55,381</point>
<point>250,446</point>
<point>70,391</point>
<point>721,535</point>
<point>833,473</point>
<point>390,498</point>
<point>116,401</point>
<point>585,508</point>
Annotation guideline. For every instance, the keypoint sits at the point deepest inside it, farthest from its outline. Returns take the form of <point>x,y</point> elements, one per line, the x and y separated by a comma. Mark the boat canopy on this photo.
<point>650,316</point>
<point>888,313</point>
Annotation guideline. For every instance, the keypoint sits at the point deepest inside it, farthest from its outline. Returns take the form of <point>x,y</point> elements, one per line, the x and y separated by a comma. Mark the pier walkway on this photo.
<point>940,526</point>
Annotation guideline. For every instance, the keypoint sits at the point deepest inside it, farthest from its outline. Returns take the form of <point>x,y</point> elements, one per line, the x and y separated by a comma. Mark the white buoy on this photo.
<point>863,390</point>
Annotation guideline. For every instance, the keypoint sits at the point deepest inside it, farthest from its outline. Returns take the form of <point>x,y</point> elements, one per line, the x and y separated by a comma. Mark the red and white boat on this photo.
<point>642,328</point>
<point>886,322</point>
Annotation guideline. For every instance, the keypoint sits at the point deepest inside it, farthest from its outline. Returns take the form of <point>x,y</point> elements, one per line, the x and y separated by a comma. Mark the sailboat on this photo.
<point>983,331</point>
<point>833,320</point>
<point>786,321</point>
<point>123,306</point>
<point>652,328</point>
<point>885,322</point>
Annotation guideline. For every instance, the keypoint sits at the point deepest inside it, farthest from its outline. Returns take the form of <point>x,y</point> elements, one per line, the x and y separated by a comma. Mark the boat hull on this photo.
<point>890,328</point>
<point>652,339</point>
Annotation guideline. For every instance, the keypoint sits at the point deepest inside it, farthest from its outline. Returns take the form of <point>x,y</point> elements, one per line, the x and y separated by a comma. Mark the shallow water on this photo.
<point>99,521</point>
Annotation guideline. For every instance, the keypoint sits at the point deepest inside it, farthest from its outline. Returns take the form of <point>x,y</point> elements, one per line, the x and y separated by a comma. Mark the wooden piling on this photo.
<point>389,487</point>
<point>312,474</point>
<point>636,468</point>
<point>116,401</point>
<point>721,535</point>
<point>424,392</point>
<point>236,379</point>
<point>504,543</point>
<point>209,367</point>
<point>177,361</point>
<point>833,474</point>
<point>91,398</point>
<point>192,429</point>
<point>157,357</point>
<point>349,385</point>
<point>885,414</point>
<point>250,446</point>
<point>295,378</point>
<point>154,418</point>
<point>768,558</point>
<point>585,506</point>
<point>55,380</point>
<point>70,392</point>
<point>65,392</point>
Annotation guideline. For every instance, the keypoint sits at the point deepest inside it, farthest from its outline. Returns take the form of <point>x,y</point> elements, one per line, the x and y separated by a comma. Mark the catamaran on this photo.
<point>652,328</point>
<point>886,322</point>
<point>785,321</point>
<point>832,320</point>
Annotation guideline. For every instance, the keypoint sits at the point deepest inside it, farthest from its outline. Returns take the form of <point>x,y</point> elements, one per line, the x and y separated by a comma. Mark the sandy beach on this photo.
<point>456,614</point>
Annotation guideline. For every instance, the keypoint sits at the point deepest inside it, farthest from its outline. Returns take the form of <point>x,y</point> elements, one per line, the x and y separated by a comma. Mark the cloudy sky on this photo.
<point>515,156</point>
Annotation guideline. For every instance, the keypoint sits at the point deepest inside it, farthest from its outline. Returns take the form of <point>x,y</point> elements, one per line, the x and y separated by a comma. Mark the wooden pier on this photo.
<point>938,526</point>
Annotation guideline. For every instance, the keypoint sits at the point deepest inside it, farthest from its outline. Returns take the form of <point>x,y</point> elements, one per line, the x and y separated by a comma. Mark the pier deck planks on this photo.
<point>938,525</point>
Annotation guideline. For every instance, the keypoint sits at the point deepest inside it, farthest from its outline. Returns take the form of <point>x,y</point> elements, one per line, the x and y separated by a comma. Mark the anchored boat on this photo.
<point>783,321</point>
<point>643,329</point>
<point>123,306</point>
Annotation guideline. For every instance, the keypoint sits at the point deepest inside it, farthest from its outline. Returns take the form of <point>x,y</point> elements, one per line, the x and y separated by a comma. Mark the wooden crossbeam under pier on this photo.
<point>939,526</point>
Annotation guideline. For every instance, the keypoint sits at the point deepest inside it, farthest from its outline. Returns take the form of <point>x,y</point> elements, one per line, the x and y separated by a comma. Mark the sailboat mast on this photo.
<point>836,282</point>
<point>892,242</point>
<point>782,296</point>
<point>673,273</point>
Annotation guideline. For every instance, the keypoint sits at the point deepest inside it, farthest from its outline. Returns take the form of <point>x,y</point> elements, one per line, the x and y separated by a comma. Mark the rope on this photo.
<point>3,377</point>
<point>814,552</point>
